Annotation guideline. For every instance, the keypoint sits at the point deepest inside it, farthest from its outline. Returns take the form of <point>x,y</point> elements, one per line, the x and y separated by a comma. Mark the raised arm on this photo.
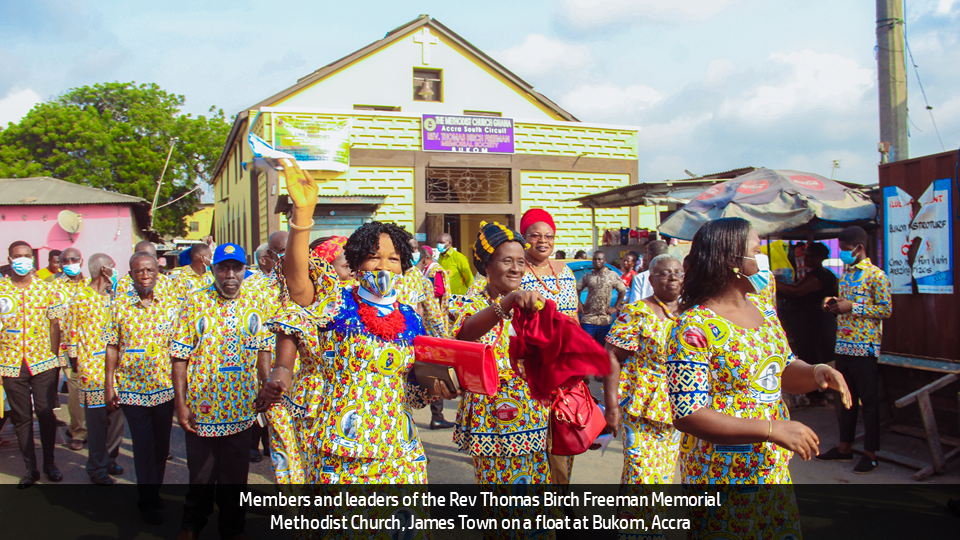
<point>303,191</point>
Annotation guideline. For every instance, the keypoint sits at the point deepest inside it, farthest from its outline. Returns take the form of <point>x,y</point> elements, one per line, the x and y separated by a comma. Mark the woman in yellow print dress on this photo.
<point>638,341</point>
<point>505,433</point>
<point>356,347</point>
<point>555,281</point>
<point>728,359</point>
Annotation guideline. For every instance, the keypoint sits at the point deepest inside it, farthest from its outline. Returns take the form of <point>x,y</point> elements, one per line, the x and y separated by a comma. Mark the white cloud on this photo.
<point>812,81</point>
<point>609,102</point>
<point>945,6</point>
<point>539,55</point>
<point>16,104</point>
<point>595,13</point>
<point>677,131</point>
<point>718,71</point>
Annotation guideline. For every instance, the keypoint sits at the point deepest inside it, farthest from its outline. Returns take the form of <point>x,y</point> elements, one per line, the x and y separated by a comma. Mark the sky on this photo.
<point>713,85</point>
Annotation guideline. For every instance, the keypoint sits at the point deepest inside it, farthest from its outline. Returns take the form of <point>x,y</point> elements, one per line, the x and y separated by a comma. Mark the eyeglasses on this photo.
<point>537,237</point>
<point>667,275</point>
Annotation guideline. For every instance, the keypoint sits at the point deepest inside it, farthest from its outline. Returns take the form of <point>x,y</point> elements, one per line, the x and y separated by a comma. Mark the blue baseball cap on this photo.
<point>229,252</point>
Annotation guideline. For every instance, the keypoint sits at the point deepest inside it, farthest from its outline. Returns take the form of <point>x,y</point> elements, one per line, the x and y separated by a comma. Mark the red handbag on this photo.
<point>575,420</point>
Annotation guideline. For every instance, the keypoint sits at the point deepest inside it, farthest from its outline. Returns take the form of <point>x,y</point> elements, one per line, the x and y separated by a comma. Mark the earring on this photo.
<point>737,272</point>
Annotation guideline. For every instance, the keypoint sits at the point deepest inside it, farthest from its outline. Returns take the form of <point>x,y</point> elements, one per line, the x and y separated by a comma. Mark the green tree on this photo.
<point>115,136</point>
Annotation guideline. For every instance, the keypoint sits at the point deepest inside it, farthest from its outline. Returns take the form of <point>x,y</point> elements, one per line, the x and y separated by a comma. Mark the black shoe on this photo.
<point>29,479</point>
<point>834,455</point>
<point>152,516</point>
<point>113,469</point>
<point>52,472</point>
<point>866,465</point>
<point>441,424</point>
<point>255,456</point>
<point>102,479</point>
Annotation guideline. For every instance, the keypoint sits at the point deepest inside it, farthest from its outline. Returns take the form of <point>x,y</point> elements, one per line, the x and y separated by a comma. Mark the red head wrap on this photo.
<point>331,249</point>
<point>535,215</point>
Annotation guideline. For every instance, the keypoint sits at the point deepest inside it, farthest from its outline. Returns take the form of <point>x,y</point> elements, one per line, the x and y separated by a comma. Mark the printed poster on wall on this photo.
<point>316,143</point>
<point>933,266</point>
<point>481,134</point>
<point>897,214</point>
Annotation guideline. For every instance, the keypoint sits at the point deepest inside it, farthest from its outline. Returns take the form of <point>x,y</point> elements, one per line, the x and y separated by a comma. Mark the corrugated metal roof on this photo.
<point>44,190</point>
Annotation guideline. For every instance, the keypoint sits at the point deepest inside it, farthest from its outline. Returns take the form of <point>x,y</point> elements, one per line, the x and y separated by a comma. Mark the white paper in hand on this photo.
<point>604,441</point>
<point>262,148</point>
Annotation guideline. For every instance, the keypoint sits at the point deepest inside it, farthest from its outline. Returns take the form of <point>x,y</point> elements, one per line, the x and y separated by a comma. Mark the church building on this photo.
<point>423,129</point>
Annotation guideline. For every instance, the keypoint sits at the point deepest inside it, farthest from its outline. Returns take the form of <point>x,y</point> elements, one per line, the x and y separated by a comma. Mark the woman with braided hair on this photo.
<point>505,433</point>
<point>351,400</point>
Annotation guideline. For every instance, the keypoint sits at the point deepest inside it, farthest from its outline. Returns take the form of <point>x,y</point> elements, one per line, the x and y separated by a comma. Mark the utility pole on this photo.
<point>892,79</point>
<point>156,195</point>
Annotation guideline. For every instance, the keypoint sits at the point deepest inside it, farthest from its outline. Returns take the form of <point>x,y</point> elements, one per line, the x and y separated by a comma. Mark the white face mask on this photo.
<point>763,262</point>
<point>22,265</point>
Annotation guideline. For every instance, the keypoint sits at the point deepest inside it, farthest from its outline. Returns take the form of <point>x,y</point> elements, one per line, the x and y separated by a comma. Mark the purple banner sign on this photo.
<point>480,134</point>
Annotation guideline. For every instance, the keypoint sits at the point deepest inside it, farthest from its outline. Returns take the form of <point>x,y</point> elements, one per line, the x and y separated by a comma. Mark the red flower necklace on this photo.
<point>386,327</point>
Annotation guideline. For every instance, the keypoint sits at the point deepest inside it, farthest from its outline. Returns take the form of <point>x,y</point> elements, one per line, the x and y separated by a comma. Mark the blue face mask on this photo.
<point>22,265</point>
<point>416,258</point>
<point>760,280</point>
<point>71,269</point>
<point>848,257</point>
<point>113,278</point>
<point>441,248</point>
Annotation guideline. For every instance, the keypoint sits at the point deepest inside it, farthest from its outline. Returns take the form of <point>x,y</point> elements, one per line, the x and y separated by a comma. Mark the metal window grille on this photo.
<point>468,186</point>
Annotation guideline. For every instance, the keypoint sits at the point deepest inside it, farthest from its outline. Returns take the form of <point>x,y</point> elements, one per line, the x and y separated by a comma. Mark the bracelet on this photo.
<point>296,227</point>
<point>770,431</point>
<point>815,370</point>
<point>498,309</point>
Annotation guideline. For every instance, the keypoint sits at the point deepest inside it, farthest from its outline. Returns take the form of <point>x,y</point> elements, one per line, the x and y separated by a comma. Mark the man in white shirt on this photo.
<point>641,288</point>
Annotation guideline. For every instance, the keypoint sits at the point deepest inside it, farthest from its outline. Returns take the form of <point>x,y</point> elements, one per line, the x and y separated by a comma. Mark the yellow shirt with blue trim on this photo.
<point>25,315</point>
<point>868,289</point>
<point>87,320</point>
<point>220,339</point>
<point>189,281</point>
<point>142,334</point>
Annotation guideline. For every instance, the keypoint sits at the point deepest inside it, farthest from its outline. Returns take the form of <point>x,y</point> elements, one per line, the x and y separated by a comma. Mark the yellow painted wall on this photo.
<point>203,217</point>
<point>394,183</point>
<point>386,78</point>
<point>548,190</point>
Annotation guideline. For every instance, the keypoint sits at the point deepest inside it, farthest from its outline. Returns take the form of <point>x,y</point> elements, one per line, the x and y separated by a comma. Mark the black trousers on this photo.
<point>260,436</point>
<point>436,410</point>
<point>218,469</point>
<point>150,434</point>
<point>862,378</point>
<point>43,388</point>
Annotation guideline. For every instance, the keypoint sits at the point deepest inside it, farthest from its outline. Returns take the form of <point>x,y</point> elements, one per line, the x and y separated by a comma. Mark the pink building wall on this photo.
<point>107,228</point>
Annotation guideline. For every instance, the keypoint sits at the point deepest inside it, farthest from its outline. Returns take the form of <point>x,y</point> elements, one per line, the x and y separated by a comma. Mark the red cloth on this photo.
<point>556,352</point>
<point>536,215</point>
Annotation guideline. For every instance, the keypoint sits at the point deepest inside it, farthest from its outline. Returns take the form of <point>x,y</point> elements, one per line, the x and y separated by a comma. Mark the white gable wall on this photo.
<point>385,77</point>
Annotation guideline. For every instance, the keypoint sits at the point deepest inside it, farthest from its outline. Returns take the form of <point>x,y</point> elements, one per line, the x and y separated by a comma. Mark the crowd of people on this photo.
<point>310,354</point>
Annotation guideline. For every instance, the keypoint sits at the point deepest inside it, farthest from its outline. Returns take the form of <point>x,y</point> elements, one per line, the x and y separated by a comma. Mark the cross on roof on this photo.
<point>425,38</point>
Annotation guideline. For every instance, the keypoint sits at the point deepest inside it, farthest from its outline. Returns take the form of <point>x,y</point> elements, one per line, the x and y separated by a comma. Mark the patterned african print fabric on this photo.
<point>25,316</point>
<point>188,281</point>
<point>67,291</point>
<point>339,470</point>
<point>859,332</point>
<point>354,387</point>
<point>650,451</point>
<point>600,289</point>
<point>87,320</point>
<point>507,425</point>
<point>220,339</point>
<point>529,468</point>
<point>142,334</point>
<point>746,513</point>
<point>566,298</point>
<point>436,315</point>
<point>643,384</point>
<point>411,289</point>
<point>735,371</point>
<point>165,286</point>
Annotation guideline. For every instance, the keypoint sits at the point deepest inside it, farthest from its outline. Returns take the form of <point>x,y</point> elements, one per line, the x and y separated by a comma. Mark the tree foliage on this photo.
<point>115,136</point>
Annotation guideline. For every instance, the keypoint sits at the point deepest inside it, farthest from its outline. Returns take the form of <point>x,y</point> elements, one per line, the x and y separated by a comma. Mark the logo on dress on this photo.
<point>252,322</point>
<point>631,439</point>
<point>348,423</point>
<point>202,325</point>
<point>718,331</point>
<point>507,410</point>
<point>687,443</point>
<point>205,407</point>
<point>280,462</point>
<point>153,350</point>
<point>694,339</point>
<point>765,386</point>
<point>389,361</point>
<point>7,304</point>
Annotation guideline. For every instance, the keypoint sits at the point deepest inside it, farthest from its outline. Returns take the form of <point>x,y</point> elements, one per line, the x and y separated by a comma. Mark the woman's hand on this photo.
<point>301,187</point>
<point>612,416</point>
<point>795,437</point>
<point>440,389</point>
<point>827,377</point>
<point>525,300</point>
